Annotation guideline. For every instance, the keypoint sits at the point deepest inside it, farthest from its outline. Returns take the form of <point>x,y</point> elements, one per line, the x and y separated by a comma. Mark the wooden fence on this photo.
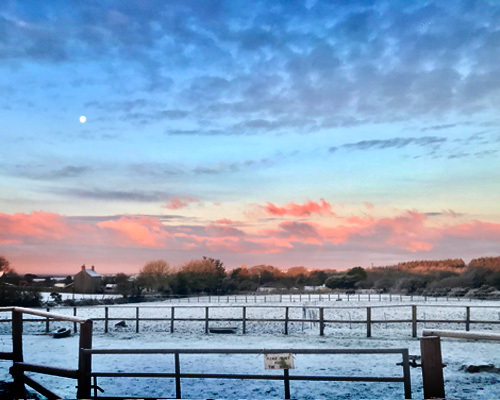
<point>240,316</point>
<point>286,377</point>
<point>301,297</point>
<point>19,366</point>
<point>84,373</point>
<point>432,364</point>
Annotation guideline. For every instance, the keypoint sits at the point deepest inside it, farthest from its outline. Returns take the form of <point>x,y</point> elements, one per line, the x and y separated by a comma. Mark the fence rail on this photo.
<point>320,317</point>
<point>432,365</point>
<point>286,377</point>
<point>19,367</point>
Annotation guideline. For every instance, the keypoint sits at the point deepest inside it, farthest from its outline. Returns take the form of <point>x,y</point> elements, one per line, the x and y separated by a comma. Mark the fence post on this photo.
<point>432,367</point>
<point>406,374</point>
<point>467,318</point>
<point>85,361</point>
<point>414,321</point>
<point>286,320</point>
<point>206,319</point>
<point>177,376</point>
<point>172,316</point>
<point>321,321</point>
<point>286,381</point>
<point>47,322</point>
<point>17,350</point>
<point>105,319</point>
<point>244,320</point>
<point>137,320</point>
<point>368,322</point>
<point>75,324</point>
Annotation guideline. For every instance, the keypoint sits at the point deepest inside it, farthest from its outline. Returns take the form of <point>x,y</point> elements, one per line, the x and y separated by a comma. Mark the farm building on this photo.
<point>88,281</point>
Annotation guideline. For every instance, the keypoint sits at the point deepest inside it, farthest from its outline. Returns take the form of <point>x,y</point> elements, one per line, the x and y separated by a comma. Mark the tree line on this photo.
<point>209,276</point>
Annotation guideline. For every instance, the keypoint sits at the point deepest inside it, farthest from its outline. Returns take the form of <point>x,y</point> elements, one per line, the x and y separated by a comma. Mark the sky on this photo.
<point>328,134</point>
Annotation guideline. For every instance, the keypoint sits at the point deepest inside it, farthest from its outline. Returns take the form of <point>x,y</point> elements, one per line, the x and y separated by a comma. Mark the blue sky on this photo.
<point>202,114</point>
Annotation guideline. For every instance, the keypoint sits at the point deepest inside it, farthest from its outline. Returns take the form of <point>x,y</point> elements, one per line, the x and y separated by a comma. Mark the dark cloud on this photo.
<point>438,127</point>
<point>40,172</point>
<point>397,142</point>
<point>114,195</point>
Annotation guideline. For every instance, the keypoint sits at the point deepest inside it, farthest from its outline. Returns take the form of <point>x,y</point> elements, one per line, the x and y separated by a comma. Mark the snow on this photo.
<point>40,348</point>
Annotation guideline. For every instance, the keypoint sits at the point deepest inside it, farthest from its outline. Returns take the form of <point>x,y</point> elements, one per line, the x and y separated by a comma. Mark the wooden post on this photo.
<point>467,318</point>
<point>368,322</point>
<point>85,361</point>
<point>206,319</point>
<point>106,315</point>
<point>414,321</point>
<point>17,351</point>
<point>172,317</point>
<point>75,324</point>
<point>177,376</point>
<point>286,320</point>
<point>244,320</point>
<point>137,320</point>
<point>47,322</point>
<point>321,321</point>
<point>286,381</point>
<point>432,367</point>
<point>406,374</point>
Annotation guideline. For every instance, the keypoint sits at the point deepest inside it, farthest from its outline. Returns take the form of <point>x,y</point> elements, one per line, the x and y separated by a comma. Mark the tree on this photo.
<point>204,275</point>
<point>5,266</point>
<point>155,276</point>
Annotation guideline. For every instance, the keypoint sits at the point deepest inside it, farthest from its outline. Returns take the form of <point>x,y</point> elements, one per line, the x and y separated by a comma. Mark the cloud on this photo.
<point>42,173</point>
<point>176,203</point>
<point>407,233</point>
<point>300,210</point>
<point>398,142</point>
<point>113,195</point>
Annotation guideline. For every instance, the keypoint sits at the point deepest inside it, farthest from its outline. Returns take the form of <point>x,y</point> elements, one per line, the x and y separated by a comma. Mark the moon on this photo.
<point>83,118</point>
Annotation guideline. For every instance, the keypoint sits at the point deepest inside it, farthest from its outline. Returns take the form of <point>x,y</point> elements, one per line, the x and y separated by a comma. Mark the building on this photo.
<point>88,281</point>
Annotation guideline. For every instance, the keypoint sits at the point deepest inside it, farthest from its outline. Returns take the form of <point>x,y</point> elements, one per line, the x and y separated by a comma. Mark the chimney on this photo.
<point>83,267</point>
<point>93,268</point>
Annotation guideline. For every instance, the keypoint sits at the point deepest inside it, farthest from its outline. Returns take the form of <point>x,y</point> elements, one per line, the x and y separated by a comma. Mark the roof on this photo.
<point>92,273</point>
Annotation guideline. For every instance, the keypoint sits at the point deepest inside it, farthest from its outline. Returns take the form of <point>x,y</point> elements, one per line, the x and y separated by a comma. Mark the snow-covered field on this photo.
<point>43,349</point>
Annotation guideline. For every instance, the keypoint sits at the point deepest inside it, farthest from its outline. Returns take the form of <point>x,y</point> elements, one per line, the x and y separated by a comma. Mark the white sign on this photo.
<point>278,361</point>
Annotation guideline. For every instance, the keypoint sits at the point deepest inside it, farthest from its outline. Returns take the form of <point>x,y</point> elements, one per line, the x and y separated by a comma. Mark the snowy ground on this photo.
<point>43,349</point>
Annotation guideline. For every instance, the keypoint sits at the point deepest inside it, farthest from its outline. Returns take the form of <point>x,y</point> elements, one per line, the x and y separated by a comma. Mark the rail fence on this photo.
<point>432,364</point>
<point>323,319</point>
<point>301,297</point>
<point>286,377</point>
<point>19,366</point>
<point>84,373</point>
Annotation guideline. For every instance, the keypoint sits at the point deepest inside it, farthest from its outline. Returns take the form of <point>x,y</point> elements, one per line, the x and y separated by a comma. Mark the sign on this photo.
<point>278,361</point>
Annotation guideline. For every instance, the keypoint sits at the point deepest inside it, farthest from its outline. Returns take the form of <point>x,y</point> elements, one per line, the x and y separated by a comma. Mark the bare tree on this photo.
<point>155,276</point>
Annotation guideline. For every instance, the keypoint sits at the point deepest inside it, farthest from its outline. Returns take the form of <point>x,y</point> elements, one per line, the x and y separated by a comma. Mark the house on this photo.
<point>87,281</point>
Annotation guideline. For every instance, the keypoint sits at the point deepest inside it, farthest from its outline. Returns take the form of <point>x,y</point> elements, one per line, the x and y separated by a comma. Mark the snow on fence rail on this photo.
<point>432,365</point>
<point>19,367</point>
<point>322,319</point>
<point>84,373</point>
<point>286,377</point>
<point>300,297</point>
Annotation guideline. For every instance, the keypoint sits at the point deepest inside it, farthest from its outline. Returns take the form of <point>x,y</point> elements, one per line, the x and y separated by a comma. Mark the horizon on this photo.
<point>315,134</point>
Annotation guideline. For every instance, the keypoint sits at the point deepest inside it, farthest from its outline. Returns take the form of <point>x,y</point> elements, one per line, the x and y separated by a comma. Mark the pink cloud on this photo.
<point>225,221</point>
<point>139,231</point>
<point>180,202</point>
<point>409,231</point>
<point>300,210</point>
